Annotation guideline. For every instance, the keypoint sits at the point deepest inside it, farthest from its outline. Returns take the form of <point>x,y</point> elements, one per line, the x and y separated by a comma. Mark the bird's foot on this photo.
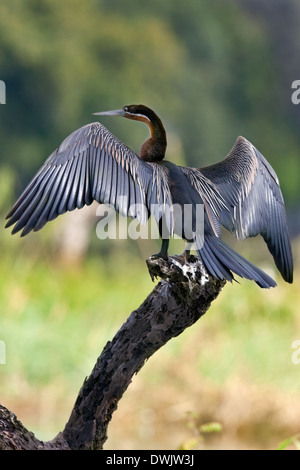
<point>185,258</point>
<point>160,255</point>
<point>163,253</point>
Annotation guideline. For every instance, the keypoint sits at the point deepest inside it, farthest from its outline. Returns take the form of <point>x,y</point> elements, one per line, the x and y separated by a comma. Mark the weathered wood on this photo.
<point>183,295</point>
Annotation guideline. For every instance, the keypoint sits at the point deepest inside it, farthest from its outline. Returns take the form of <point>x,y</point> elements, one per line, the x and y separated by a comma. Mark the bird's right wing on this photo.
<point>91,164</point>
<point>250,188</point>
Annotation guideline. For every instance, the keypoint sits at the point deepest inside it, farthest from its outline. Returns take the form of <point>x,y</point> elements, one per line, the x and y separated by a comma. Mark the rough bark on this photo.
<point>182,296</point>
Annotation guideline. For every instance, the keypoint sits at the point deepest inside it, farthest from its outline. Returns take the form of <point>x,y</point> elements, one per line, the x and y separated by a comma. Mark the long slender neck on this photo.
<point>154,148</point>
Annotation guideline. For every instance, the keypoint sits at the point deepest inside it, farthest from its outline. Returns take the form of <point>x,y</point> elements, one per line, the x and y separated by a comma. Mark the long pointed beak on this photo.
<point>115,112</point>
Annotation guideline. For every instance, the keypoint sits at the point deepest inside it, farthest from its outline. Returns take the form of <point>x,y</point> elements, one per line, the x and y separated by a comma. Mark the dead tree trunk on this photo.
<point>182,296</point>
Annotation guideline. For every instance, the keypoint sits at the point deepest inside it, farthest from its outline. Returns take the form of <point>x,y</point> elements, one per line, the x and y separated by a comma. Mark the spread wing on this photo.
<point>212,199</point>
<point>91,164</point>
<point>250,187</point>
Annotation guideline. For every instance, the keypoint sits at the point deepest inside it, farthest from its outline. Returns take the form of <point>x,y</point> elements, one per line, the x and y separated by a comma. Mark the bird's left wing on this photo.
<point>91,164</point>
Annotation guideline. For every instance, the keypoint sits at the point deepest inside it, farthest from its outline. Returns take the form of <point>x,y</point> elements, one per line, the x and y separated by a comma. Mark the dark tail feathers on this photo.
<point>221,261</point>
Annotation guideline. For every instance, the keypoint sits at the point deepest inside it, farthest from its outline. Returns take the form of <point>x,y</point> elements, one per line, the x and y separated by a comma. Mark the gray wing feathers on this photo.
<point>251,190</point>
<point>90,164</point>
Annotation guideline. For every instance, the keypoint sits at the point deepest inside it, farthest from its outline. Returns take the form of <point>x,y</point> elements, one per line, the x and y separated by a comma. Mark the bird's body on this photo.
<point>241,193</point>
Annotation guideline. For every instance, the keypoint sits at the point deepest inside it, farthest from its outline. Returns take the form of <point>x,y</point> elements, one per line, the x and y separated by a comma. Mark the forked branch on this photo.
<point>182,296</point>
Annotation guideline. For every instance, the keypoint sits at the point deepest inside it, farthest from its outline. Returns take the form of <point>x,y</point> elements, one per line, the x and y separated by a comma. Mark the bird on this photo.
<point>240,193</point>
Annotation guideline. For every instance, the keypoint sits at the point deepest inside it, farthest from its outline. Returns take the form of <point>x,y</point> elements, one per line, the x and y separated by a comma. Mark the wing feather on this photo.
<point>90,164</point>
<point>59,189</point>
<point>251,190</point>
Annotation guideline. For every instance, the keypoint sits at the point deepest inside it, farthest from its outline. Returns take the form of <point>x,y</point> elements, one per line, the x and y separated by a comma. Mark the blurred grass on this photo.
<point>56,318</point>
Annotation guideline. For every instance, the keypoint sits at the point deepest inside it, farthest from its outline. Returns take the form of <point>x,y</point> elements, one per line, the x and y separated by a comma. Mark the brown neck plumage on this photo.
<point>154,148</point>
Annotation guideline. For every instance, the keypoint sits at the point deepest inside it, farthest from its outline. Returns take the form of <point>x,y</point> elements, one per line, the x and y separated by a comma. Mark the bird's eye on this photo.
<point>125,108</point>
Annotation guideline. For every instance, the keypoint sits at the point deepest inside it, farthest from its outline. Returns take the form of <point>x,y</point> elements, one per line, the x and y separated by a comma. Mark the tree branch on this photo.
<point>183,295</point>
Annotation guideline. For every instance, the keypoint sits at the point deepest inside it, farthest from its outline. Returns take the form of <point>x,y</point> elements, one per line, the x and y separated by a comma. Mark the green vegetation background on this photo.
<point>212,71</point>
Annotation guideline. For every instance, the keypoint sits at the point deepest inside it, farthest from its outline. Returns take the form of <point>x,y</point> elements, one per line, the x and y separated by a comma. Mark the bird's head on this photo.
<point>137,112</point>
<point>154,148</point>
